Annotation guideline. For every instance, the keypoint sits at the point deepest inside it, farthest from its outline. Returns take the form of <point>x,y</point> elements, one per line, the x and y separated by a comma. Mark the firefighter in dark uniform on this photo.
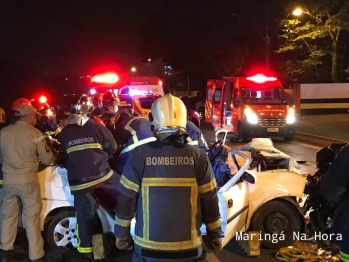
<point>132,131</point>
<point>335,188</point>
<point>109,110</point>
<point>88,146</point>
<point>196,136</point>
<point>171,187</point>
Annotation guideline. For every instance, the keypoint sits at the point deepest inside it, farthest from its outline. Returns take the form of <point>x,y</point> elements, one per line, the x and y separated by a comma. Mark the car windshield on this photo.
<point>263,95</point>
<point>146,102</point>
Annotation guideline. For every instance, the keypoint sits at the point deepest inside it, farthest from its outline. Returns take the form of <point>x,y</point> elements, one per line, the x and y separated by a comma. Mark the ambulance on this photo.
<point>248,107</point>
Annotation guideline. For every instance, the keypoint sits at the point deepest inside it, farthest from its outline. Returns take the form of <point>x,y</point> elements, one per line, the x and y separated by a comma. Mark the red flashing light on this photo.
<point>109,78</point>
<point>260,78</point>
<point>160,83</point>
<point>42,99</point>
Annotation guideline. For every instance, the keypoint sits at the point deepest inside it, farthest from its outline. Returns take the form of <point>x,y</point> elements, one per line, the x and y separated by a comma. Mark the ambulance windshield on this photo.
<point>263,95</point>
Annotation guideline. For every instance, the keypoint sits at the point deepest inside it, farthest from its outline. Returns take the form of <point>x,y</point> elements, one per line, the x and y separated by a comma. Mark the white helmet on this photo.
<point>169,117</point>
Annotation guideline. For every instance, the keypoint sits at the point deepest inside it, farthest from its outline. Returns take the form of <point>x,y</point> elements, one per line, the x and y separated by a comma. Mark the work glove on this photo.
<point>213,244</point>
<point>124,243</point>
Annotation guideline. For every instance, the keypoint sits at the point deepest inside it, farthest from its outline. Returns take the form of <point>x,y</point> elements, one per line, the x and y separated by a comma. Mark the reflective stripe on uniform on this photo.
<point>122,222</point>
<point>343,256</point>
<point>129,184</point>
<point>181,245</point>
<point>136,142</point>
<point>214,225</point>
<point>134,145</point>
<point>194,143</point>
<point>170,182</point>
<point>92,183</point>
<point>85,249</point>
<point>83,147</point>
<point>207,187</point>
<point>0,182</point>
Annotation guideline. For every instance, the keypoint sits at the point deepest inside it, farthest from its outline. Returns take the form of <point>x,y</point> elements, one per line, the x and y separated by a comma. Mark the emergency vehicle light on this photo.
<point>93,91</point>
<point>135,92</point>
<point>160,83</point>
<point>260,78</point>
<point>109,78</point>
<point>42,99</point>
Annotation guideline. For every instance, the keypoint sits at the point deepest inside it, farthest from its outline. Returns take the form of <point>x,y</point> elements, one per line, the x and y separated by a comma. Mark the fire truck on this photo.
<point>253,106</point>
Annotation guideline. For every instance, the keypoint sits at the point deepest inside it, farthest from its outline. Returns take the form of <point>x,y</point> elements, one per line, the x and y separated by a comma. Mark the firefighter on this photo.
<point>335,188</point>
<point>109,110</point>
<point>88,146</point>
<point>196,137</point>
<point>46,122</point>
<point>21,148</point>
<point>16,104</point>
<point>171,188</point>
<point>132,131</point>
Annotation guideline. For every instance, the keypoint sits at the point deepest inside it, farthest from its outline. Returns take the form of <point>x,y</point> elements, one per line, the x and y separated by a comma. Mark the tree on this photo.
<point>316,44</point>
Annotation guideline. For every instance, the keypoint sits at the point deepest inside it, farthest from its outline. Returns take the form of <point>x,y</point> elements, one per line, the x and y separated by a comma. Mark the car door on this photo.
<point>233,202</point>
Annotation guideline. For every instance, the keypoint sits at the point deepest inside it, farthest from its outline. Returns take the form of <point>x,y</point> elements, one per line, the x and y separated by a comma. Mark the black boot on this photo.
<point>4,255</point>
<point>42,259</point>
<point>88,256</point>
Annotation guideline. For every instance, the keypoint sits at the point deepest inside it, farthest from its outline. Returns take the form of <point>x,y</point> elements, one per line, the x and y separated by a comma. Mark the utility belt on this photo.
<point>84,183</point>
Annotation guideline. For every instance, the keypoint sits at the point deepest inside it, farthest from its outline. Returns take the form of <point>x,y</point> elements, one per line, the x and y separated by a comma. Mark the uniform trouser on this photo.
<point>29,196</point>
<point>344,248</point>
<point>84,203</point>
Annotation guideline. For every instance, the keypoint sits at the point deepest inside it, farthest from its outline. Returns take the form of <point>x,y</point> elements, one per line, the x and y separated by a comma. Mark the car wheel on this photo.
<point>288,138</point>
<point>276,217</point>
<point>61,230</point>
<point>242,137</point>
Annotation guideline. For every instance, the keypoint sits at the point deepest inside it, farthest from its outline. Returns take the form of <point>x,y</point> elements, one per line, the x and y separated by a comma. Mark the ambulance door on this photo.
<point>208,102</point>
<point>227,104</point>
<point>235,105</point>
<point>217,104</point>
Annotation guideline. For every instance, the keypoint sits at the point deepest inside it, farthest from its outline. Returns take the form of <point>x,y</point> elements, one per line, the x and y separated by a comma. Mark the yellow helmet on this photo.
<point>169,117</point>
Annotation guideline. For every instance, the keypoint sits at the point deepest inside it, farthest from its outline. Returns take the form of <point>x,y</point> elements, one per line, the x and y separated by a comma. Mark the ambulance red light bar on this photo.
<point>109,78</point>
<point>260,78</point>
<point>43,99</point>
<point>160,83</point>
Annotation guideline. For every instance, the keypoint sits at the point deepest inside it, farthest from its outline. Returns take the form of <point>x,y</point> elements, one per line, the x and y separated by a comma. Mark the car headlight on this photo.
<point>251,116</point>
<point>291,118</point>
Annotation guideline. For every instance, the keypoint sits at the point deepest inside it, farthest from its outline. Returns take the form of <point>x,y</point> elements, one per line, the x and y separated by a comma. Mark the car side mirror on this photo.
<point>249,178</point>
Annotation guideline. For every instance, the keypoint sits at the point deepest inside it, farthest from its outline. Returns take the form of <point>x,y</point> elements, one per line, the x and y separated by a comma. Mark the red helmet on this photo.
<point>19,102</point>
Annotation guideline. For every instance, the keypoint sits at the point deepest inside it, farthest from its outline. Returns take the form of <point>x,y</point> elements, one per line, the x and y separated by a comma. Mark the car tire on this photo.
<point>274,217</point>
<point>288,138</point>
<point>61,230</point>
<point>241,136</point>
<point>65,222</point>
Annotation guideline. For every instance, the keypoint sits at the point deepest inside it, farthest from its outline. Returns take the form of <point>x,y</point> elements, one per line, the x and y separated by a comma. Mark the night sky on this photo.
<point>41,39</point>
<point>72,37</point>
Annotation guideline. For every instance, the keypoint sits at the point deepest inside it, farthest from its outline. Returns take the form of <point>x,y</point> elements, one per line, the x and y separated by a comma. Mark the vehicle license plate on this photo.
<point>273,129</point>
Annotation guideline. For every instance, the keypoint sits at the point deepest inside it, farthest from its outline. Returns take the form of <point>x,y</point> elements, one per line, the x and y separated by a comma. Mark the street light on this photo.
<point>297,12</point>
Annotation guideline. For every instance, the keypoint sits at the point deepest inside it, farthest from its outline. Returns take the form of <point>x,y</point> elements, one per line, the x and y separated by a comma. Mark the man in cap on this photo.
<point>21,148</point>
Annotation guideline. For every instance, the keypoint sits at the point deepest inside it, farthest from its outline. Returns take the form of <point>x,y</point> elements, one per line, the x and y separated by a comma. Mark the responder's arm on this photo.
<point>209,200</point>
<point>202,143</point>
<point>128,192</point>
<point>109,143</point>
<point>45,154</point>
<point>336,181</point>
